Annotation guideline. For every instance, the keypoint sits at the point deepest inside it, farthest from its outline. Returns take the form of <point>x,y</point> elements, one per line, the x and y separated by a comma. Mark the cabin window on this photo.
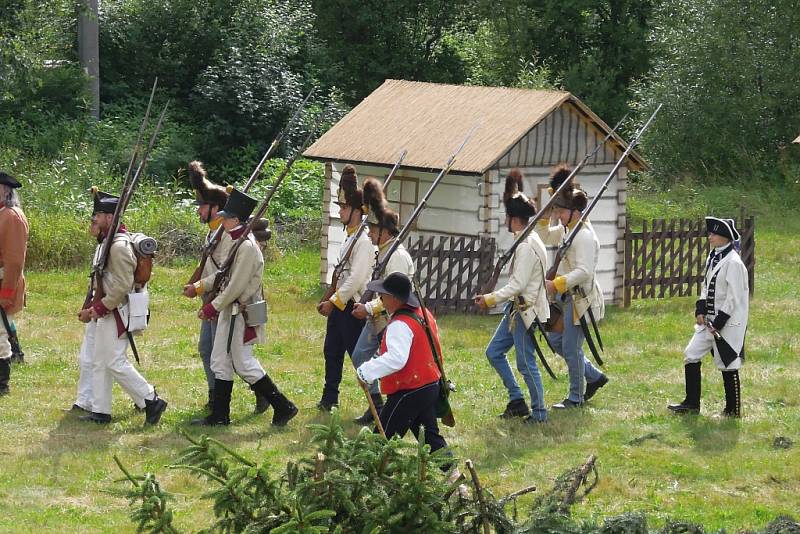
<point>403,197</point>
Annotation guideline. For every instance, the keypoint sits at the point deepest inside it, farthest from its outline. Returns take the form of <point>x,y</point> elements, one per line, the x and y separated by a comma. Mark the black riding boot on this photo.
<point>210,404</point>
<point>262,403</point>
<point>5,376</point>
<point>691,404</point>
<point>221,409</point>
<point>284,408</point>
<point>733,401</point>
<point>367,418</point>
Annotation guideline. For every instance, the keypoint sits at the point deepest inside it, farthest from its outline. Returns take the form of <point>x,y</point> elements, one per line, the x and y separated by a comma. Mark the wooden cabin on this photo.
<point>530,129</point>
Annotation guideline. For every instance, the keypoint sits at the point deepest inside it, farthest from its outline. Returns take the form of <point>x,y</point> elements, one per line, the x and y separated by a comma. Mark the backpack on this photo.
<point>144,248</point>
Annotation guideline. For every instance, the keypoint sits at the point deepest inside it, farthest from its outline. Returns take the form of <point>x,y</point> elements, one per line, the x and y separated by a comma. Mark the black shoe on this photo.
<point>153,410</point>
<point>592,387</point>
<point>98,418</point>
<point>516,408</point>
<point>262,404</point>
<point>531,421</point>
<point>79,409</point>
<point>566,404</point>
<point>684,408</point>
<point>221,409</point>
<point>5,375</point>
<point>284,409</point>
<point>284,412</point>
<point>327,406</point>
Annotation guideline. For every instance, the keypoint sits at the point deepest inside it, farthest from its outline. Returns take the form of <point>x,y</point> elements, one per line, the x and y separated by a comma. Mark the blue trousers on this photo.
<point>569,345</point>
<point>519,338</point>
<point>341,334</point>
<point>369,341</point>
<point>208,330</point>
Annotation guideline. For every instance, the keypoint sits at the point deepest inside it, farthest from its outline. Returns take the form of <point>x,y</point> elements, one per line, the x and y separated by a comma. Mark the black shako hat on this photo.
<point>10,181</point>
<point>239,205</point>
<point>103,202</point>
<point>397,285</point>
<point>723,227</point>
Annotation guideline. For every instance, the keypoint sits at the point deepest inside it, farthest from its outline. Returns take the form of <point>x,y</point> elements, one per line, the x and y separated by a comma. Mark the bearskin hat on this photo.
<point>206,191</point>
<point>349,193</point>
<point>377,209</point>
<point>516,203</point>
<point>560,173</point>
<point>572,198</point>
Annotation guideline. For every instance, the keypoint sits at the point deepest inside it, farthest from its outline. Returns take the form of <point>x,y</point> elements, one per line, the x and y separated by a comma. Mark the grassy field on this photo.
<point>57,474</point>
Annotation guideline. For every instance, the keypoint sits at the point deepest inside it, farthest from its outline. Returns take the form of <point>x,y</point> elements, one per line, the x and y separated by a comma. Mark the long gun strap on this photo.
<point>574,232</point>
<point>381,265</point>
<point>224,271</point>
<point>351,245</point>
<point>211,244</point>
<point>506,257</point>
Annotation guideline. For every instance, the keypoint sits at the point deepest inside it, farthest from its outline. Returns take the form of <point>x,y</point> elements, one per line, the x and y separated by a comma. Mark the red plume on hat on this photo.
<point>206,191</point>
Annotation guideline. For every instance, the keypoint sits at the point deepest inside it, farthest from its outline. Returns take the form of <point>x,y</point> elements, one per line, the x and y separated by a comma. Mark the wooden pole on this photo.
<point>372,408</point>
<point>89,49</point>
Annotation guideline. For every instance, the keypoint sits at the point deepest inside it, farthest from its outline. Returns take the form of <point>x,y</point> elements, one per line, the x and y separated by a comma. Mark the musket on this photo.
<point>213,241</point>
<point>96,276</point>
<point>381,265</point>
<point>448,419</point>
<point>337,270</point>
<point>224,271</point>
<point>562,249</point>
<point>564,246</point>
<point>489,286</point>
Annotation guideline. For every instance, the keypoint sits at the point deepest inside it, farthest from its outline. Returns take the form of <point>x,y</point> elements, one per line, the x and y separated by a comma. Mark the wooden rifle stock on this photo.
<point>555,312</point>
<point>490,284</point>
<point>381,265</point>
<point>337,270</point>
<point>212,243</point>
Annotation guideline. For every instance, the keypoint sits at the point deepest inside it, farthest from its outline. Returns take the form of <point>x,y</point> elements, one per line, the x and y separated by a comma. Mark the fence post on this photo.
<point>626,282</point>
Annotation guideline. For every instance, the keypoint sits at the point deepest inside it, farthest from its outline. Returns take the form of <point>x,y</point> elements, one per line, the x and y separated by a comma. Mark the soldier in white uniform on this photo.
<point>210,198</point>
<point>575,288</point>
<point>342,329</point>
<point>240,310</point>
<point>103,357</point>
<point>526,301</point>
<point>383,231</point>
<point>721,315</point>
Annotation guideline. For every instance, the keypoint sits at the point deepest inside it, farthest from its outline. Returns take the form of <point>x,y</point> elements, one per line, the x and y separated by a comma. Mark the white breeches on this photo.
<point>701,344</point>
<point>103,359</point>
<point>240,360</point>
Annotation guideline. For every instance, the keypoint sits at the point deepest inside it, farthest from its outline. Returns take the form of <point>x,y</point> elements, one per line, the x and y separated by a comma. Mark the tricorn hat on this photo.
<point>10,181</point>
<point>206,191</point>
<point>349,193</point>
<point>397,285</point>
<point>239,205</point>
<point>103,202</point>
<point>723,227</point>
<point>377,209</point>
<point>515,201</point>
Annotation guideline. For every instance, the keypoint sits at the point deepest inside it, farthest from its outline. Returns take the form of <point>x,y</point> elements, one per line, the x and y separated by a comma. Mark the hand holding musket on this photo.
<point>224,271</point>
<point>381,265</point>
<point>337,270</point>
<point>208,248</point>
<point>96,276</point>
<point>546,210</point>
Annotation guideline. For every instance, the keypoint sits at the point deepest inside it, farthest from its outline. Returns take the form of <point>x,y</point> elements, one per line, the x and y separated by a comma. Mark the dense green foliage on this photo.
<point>235,70</point>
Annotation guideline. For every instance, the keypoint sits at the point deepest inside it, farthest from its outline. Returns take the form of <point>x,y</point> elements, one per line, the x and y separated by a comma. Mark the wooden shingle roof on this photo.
<point>430,121</point>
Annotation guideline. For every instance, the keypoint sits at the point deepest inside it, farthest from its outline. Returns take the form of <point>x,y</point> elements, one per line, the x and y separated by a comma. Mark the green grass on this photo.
<point>57,473</point>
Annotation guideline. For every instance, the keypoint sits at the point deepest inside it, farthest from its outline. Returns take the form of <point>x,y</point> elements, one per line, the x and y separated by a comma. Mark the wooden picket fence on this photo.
<point>667,258</point>
<point>451,270</point>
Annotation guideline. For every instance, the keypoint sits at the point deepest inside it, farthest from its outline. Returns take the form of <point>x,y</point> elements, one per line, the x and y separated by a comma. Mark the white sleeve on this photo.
<point>398,345</point>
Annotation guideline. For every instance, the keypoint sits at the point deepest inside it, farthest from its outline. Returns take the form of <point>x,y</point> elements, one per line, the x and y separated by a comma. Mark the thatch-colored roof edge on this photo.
<point>390,165</point>
<point>797,141</point>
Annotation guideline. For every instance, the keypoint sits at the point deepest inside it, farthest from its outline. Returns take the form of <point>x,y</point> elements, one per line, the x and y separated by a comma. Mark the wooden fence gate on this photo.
<point>451,270</point>
<point>667,258</point>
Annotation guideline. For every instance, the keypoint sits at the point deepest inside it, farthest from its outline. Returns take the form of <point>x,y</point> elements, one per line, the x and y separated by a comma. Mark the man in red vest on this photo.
<point>405,365</point>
